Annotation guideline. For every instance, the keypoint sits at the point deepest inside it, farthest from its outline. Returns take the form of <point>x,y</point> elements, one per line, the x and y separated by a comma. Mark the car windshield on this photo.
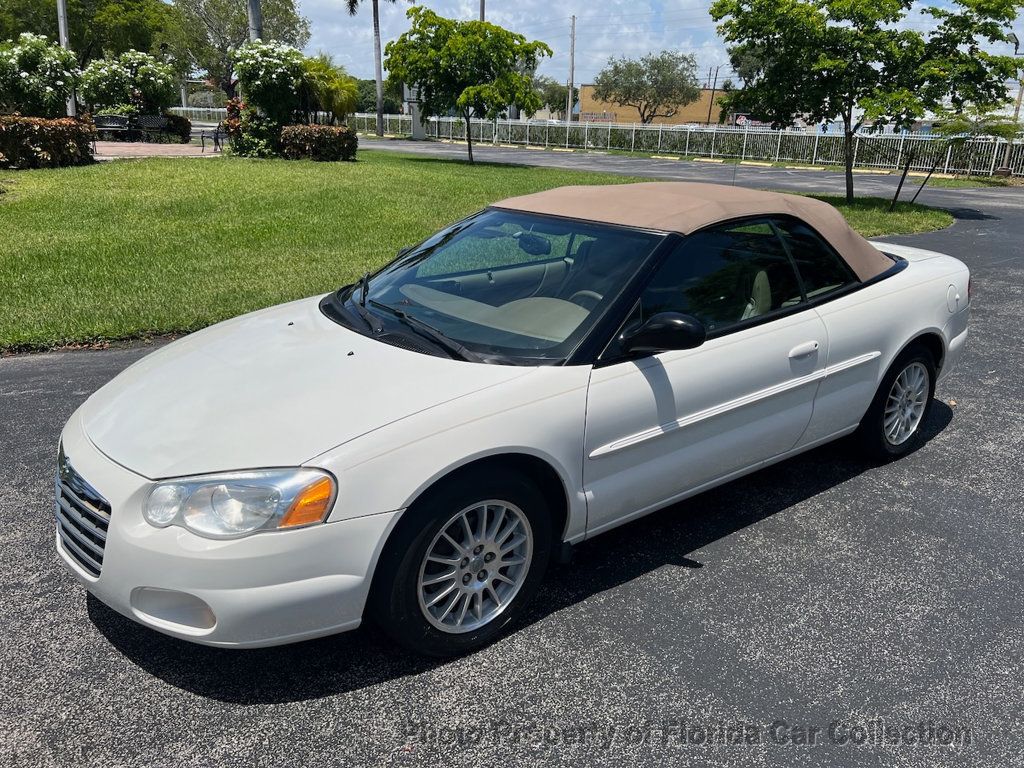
<point>509,284</point>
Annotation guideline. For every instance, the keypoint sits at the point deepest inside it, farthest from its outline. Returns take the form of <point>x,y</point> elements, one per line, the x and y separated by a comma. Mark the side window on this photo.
<point>723,276</point>
<point>821,268</point>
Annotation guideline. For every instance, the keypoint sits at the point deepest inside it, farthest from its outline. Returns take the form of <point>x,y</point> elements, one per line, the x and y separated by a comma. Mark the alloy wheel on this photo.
<point>905,405</point>
<point>475,566</point>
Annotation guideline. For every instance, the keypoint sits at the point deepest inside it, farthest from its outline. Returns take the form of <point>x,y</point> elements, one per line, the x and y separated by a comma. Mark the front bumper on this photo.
<point>266,589</point>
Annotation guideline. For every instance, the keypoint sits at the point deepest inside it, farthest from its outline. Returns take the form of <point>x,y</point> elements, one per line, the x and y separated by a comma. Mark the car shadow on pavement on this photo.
<point>354,660</point>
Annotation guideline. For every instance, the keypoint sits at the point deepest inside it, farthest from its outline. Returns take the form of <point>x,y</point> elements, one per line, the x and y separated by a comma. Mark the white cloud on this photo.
<point>603,29</point>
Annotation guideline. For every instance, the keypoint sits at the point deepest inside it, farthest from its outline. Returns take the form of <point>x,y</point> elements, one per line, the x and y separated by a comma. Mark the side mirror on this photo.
<point>665,331</point>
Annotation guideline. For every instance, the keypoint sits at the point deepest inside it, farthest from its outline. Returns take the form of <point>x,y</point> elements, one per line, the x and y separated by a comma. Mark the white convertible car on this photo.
<point>416,447</point>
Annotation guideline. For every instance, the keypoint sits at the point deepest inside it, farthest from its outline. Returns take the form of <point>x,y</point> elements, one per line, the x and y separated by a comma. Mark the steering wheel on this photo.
<point>589,299</point>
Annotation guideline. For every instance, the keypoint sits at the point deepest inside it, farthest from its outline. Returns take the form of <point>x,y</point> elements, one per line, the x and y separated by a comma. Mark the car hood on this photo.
<point>268,389</point>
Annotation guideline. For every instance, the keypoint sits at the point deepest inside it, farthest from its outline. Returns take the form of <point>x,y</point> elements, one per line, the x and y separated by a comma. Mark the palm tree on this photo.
<point>353,6</point>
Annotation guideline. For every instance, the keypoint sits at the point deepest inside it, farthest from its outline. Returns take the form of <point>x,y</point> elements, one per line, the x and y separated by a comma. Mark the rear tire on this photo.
<point>465,561</point>
<point>891,428</point>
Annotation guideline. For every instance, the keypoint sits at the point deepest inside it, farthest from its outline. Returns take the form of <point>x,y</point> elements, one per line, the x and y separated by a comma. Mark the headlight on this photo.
<point>236,504</point>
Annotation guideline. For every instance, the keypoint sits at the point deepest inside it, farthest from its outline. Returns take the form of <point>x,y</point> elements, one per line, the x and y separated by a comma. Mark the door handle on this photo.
<point>803,350</point>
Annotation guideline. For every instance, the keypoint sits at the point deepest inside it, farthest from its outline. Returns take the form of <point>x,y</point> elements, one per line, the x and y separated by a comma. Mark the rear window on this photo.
<point>821,269</point>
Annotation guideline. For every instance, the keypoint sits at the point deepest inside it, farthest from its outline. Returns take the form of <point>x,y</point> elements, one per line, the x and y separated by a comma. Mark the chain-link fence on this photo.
<point>880,151</point>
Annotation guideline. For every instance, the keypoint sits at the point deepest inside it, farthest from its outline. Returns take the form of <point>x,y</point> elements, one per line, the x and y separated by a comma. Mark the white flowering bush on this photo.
<point>132,79</point>
<point>36,76</point>
<point>271,75</point>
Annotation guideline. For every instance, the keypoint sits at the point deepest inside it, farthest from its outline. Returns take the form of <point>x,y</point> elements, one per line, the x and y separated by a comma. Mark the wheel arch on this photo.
<point>549,480</point>
<point>932,340</point>
<point>541,470</point>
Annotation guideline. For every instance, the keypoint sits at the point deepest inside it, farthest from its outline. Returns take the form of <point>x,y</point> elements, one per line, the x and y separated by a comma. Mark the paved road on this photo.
<point>821,590</point>
<point>744,175</point>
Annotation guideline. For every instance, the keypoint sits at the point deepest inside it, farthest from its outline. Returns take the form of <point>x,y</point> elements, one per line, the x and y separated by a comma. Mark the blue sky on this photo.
<point>603,29</point>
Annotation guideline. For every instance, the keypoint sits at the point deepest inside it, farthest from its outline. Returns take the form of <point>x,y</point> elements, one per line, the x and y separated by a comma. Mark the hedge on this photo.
<point>179,127</point>
<point>318,142</point>
<point>35,142</point>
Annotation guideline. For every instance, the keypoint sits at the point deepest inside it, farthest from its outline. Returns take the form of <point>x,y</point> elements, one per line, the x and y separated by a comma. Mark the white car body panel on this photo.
<point>326,384</point>
<point>279,388</point>
<point>678,420</point>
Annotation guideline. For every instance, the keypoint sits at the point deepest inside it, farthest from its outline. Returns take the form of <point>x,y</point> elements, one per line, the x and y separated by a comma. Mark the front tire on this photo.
<point>891,428</point>
<point>464,563</point>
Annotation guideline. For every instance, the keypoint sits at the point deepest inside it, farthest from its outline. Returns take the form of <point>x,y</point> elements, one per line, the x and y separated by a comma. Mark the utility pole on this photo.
<point>572,67</point>
<point>62,33</point>
<point>482,2</point>
<point>1009,142</point>
<point>1005,168</point>
<point>714,85</point>
<point>255,20</point>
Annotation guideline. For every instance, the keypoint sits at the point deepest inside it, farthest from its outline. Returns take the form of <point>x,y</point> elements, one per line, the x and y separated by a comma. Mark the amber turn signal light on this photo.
<point>311,505</point>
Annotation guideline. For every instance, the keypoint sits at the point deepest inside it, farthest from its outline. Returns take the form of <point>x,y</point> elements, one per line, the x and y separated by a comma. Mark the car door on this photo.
<point>856,329</point>
<point>669,423</point>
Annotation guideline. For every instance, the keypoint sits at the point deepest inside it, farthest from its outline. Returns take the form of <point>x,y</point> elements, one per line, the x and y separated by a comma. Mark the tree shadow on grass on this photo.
<point>462,160</point>
<point>355,660</point>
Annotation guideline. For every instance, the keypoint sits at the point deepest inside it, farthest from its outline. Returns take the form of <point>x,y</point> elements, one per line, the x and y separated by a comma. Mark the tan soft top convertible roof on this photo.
<point>684,207</point>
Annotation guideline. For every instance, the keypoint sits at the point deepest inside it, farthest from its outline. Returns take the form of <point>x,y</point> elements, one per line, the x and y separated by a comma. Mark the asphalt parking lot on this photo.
<point>821,593</point>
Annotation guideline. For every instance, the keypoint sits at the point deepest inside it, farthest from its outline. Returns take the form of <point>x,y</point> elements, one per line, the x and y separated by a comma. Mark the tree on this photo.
<point>133,79</point>
<point>368,96</point>
<point>96,28</point>
<point>656,85</point>
<point>209,31</point>
<point>470,67</point>
<point>36,76</point>
<point>353,7</point>
<point>327,88</point>
<point>272,76</point>
<point>553,94</point>
<point>849,60</point>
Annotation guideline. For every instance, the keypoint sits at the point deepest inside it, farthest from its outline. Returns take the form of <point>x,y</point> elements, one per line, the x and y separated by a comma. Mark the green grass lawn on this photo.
<point>134,248</point>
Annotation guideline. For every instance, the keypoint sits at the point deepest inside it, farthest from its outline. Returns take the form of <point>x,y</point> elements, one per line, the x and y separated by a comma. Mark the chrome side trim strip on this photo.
<point>731,405</point>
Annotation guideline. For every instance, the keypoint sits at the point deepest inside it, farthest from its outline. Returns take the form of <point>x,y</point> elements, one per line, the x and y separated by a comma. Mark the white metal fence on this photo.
<point>878,151</point>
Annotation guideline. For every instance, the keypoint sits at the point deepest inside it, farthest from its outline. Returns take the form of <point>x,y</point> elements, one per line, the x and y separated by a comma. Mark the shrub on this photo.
<point>233,121</point>
<point>33,142</point>
<point>127,110</point>
<point>179,127</point>
<point>318,142</point>
<point>254,135</point>
<point>36,76</point>
<point>132,78</point>
<point>271,76</point>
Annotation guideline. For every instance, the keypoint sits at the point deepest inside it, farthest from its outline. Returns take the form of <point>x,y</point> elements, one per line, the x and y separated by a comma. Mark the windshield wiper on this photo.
<point>362,285</point>
<point>449,345</point>
<point>372,321</point>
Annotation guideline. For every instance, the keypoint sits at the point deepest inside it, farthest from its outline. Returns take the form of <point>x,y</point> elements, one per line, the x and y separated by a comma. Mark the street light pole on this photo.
<point>482,9</point>
<point>1016,112</point>
<point>572,67</point>
<point>62,32</point>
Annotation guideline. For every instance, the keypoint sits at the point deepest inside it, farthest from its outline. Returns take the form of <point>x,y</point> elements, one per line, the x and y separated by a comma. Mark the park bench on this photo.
<point>217,134</point>
<point>112,124</point>
<point>151,124</point>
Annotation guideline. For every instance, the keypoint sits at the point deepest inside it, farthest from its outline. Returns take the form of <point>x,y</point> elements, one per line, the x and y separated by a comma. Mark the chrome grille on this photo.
<point>83,517</point>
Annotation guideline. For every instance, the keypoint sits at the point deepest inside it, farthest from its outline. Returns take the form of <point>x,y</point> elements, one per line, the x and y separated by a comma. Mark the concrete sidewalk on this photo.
<point>109,150</point>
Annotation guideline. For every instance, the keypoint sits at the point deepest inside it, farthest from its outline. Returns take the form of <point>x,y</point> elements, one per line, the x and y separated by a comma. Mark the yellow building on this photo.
<point>592,110</point>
